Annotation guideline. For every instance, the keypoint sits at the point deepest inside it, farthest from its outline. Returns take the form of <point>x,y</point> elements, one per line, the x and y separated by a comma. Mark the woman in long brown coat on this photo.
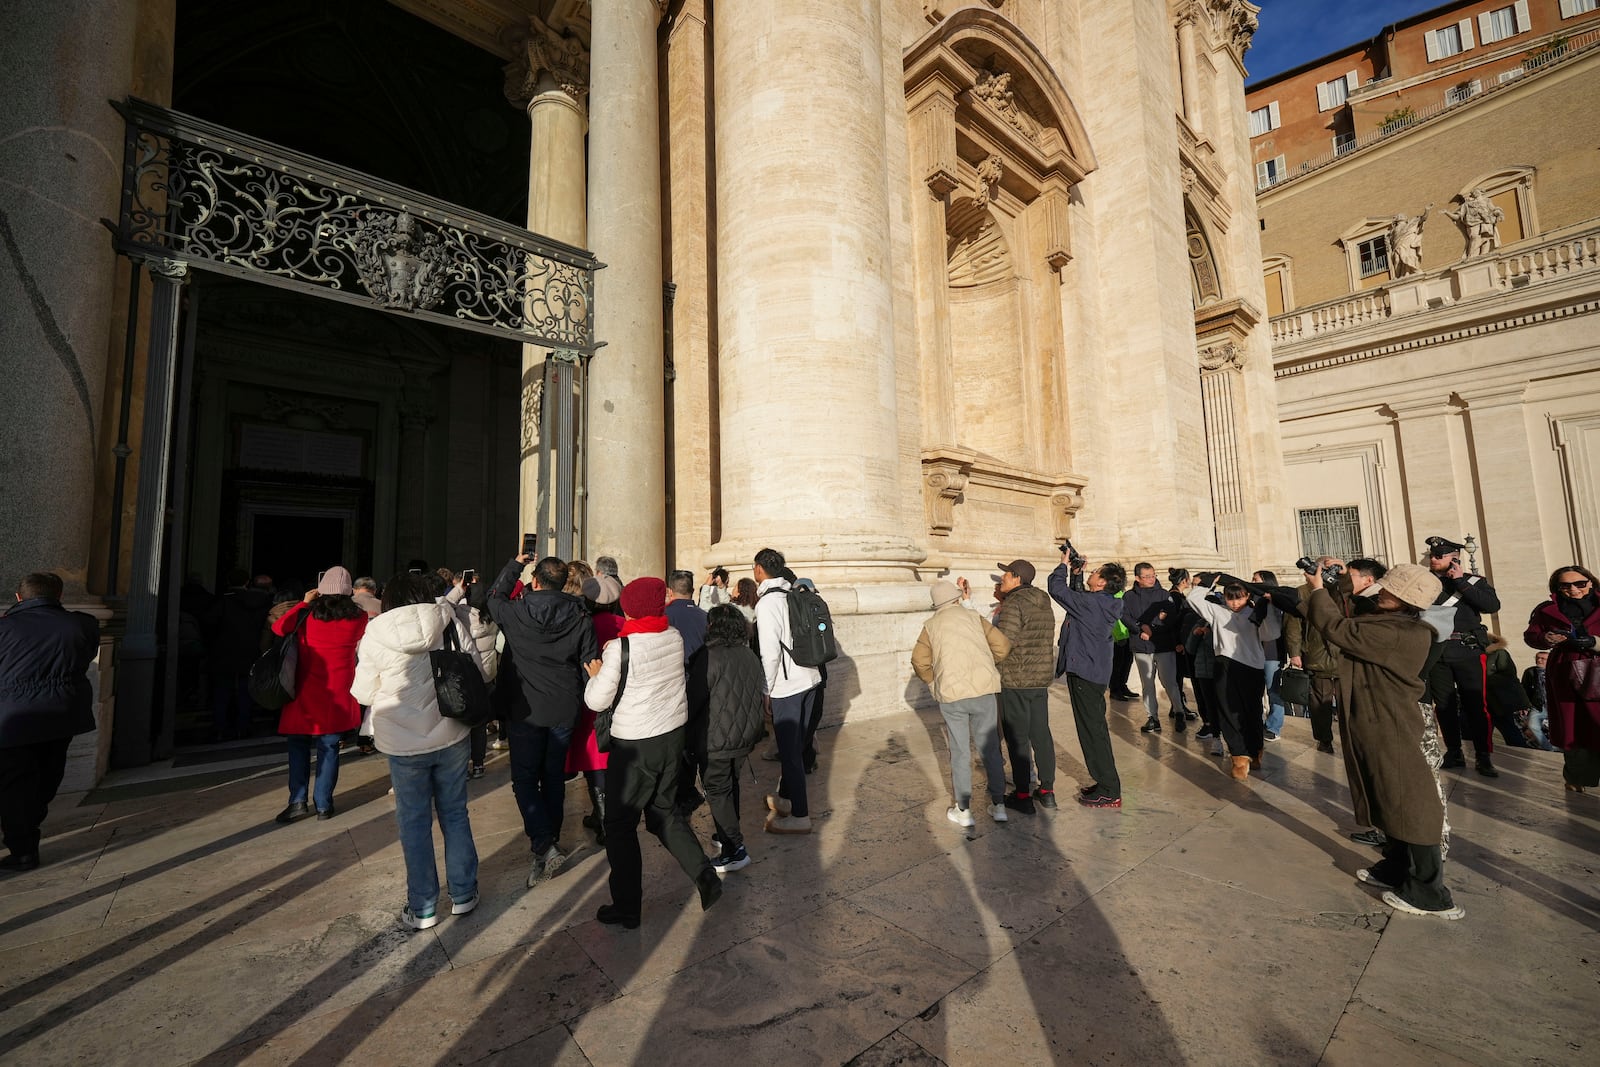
<point>1391,784</point>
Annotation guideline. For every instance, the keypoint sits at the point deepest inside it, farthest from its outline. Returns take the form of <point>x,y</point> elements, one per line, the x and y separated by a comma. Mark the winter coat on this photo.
<point>1462,603</point>
<point>367,603</point>
<point>655,699</point>
<point>1391,785</point>
<point>45,652</point>
<point>1136,604</point>
<point>486,639</point>
<point>395,679</point>
<point>1085,645</point>
<point>1571,678</point>
<point>956,652</point>
<point>1198,648</point>
<point>691,622</point>
<point>733,721</point>
<point>1029,623</point>
<point>1164,618</point>
<point>1317,657</point>
<point>322,702</point>
<point>235,622</point>
<point>550,636</point>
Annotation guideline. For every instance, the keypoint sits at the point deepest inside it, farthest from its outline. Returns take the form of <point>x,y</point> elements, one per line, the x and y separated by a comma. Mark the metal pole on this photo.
<point>136,662</point>
<point>166,735</point>
<point>130,353</point>
<point>566,461</point>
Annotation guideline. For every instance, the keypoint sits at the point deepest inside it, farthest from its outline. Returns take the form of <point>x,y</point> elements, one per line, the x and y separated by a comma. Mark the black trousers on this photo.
<point>815,720</point>
<point>1418,871</point>
<point>1240,689</point>
<point>1121,664</point>
<point>642,778</point>
<point>721,779</point>
<point>1025,721</point>
<point>1456,685</point>
<point>1094,733</point>
<point>1323,706</point>
<point>29,778</point>
<point>1205,698</point>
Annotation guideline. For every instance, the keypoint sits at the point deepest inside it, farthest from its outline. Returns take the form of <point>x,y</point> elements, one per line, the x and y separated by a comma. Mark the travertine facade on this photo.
<point>899,287</point>
<point>1462,398</point>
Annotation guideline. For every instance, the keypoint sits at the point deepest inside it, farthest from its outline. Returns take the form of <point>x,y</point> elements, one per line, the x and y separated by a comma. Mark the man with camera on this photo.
<point>1456,677</point>
<point>1085,658</point>
<point>1308,651</point>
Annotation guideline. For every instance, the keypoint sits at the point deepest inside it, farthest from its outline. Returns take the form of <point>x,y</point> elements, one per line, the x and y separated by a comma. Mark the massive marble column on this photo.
<point>808,404</point>
<point>549,75</point>
<point>59,176</point>
<point>626,468</point>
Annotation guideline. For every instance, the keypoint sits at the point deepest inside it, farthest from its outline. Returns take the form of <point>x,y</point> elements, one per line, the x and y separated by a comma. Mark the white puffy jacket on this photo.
<point>394,678</point>
<point>654,698</point>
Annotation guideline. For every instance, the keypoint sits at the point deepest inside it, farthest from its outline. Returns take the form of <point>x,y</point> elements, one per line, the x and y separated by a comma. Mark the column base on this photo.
<point>865,574</point>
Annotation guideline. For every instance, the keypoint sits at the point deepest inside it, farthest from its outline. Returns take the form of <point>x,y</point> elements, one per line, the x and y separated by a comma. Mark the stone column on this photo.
<point>1189,70</point>
<point>549,76</point>
<point>1219,377</point>
<point>810,457</point>
<point>59,176</point>
<point>1512,555</point>
<point>1437,476</point>
<point>626,481</point>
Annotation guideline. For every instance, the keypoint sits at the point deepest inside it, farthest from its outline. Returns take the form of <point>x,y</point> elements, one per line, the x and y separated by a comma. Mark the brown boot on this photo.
<point>1255,761</point>
<point>1241,768</point>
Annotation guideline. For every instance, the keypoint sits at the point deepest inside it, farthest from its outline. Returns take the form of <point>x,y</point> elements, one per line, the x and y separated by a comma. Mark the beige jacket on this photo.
<point>956,653</point>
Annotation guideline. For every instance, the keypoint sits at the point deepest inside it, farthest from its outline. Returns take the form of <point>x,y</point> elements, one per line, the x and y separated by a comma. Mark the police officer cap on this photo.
<point>1439,547</point>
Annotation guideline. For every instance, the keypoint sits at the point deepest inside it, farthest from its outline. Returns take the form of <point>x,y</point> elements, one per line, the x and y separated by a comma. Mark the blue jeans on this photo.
<point>539,780</point>
<point>300,768</point>
<point>790,715</point>
<point>1275,708</point>
<point>422,783</point>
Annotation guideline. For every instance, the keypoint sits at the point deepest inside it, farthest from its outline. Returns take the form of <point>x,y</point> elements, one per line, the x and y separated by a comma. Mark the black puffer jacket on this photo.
<point>45,652</point>
<point>1029,623</point>
<point>550,636</point>
<point>729,722</point>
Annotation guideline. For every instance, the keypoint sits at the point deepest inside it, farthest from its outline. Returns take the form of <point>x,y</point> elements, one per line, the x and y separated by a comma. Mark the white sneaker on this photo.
<point>500,744</point>
<point>1365,875</point>
<point>463,907</point>
<point>426,921</point>
<point>997,812</point>
<point>1397,904</point>
<point>961,816</point>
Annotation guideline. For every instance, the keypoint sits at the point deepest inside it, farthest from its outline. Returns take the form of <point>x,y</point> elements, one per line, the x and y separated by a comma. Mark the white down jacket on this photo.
<point>655,699</point>
<point>394,678</point>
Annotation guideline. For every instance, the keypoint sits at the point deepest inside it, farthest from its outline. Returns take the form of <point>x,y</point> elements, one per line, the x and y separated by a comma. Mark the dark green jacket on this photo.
<point>1029,623</point>
<point>1316,655</point>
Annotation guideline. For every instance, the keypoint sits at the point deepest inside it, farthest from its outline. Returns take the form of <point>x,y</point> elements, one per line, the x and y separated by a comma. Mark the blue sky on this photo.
<point>1293,31</point>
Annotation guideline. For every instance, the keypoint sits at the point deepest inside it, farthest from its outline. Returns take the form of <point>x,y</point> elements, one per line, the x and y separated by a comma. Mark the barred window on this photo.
<point>1330,532</point>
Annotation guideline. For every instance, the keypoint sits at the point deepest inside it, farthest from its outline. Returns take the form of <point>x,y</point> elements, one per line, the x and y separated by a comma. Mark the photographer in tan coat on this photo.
<point>955,654</point>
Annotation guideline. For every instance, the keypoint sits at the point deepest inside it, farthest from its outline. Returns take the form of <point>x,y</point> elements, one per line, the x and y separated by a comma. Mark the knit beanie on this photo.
<point>644,598</point>
<point>945,592</point>
<point>335,582</point>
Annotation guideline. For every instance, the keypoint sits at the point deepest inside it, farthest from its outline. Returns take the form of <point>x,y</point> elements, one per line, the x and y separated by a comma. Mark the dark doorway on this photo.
<point>296,549</point>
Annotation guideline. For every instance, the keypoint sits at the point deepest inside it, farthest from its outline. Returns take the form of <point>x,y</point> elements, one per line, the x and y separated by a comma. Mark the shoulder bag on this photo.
<point>458,683</point>
<point>272,676</point>
<point>602,719</point>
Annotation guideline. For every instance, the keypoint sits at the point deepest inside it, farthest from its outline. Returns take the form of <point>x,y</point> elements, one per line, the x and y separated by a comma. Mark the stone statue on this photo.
<point>1480,218</point>
<point>1405,242</point>
<point>994,88</point>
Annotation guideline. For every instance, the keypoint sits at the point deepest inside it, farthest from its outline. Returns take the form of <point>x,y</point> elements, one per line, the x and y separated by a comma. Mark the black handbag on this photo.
<point>1293,686</point>
<point>458,683</point>
<point>602,719</point>
<point>272,675</point>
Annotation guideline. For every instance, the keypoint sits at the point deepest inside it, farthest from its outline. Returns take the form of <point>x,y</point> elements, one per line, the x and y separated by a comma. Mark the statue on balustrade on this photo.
<point>1480,218</point>
<point>1405,242</point>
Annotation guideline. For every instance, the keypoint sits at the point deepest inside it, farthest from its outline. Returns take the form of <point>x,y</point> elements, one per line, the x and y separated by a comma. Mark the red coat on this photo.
<point>322,703</point>
<point>1571,679</point>
<point>583,754</point>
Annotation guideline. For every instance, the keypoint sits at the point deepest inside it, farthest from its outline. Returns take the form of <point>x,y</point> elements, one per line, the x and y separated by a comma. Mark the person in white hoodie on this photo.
<point>428,753</point>
<point>640,674</point>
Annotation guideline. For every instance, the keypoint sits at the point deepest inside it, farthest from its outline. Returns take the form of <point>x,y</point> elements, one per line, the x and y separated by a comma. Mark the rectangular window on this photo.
<point>1343,142</point>
<point>1269,172</point>
<point>1264,119</point>
<point>1330,532</point>
<point>1569,8</point>
<point>1374,255</point>
<point>1498,24</point>
<point>1332,94</point>
<point>1448,41</point>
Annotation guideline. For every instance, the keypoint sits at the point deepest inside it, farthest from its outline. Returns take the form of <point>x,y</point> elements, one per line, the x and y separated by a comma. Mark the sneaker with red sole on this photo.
<point>1100,800</point>
<point>1045,798</point>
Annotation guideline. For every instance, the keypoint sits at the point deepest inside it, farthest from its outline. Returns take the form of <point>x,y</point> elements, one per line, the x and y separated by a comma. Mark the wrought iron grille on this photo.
<point>1330,532</point>
<point>221,201</point>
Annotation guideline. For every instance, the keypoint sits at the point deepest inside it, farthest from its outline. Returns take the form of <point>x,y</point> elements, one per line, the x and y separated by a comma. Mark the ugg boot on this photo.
<point>1241,768</point>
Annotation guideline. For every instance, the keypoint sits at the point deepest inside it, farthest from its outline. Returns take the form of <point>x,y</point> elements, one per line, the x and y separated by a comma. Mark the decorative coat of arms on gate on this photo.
<point>400,264</point>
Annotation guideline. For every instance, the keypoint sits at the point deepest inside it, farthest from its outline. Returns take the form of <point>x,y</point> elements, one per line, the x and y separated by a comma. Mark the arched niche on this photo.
<point>1205,279</point>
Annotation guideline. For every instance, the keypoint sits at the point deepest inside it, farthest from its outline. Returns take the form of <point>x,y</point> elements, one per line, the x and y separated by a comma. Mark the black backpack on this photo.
<point>811,628</point>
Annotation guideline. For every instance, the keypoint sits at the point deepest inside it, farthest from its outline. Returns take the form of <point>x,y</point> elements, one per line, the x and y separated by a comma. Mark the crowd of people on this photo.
<point>655,690</point>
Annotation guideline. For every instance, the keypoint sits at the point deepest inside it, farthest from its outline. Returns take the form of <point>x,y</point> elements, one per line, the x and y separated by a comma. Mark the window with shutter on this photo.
<point>1260,121</point>
<point>1498,24</point>
<point>1444,43</point>
<point>1332,94</point>
<point>1572,8</point>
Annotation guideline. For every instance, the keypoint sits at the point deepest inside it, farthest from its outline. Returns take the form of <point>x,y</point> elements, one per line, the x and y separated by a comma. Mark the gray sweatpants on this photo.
<point>974,716</point>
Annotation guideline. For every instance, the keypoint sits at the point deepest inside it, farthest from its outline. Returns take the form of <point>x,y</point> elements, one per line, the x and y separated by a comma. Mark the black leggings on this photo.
<point>1241,688</point>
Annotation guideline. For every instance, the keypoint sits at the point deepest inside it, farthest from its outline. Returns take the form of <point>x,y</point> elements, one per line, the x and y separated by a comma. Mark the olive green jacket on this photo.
<point>1028,620</point>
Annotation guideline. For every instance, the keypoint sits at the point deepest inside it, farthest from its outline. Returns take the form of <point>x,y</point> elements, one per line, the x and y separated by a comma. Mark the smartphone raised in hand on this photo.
<point>530,544</point>
<point>469,576</point>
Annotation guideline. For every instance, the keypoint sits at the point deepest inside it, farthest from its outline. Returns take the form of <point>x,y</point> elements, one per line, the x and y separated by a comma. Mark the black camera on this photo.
<point>1330,573</point>
<point>1074,557</point>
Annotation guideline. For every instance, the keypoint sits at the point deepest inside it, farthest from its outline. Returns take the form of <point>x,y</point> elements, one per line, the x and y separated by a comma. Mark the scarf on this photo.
<point>650,624</point>
<point>1576,609</point>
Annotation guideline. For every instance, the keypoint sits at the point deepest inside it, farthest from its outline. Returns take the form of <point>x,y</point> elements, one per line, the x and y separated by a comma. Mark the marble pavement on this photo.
<point>1206,922</point>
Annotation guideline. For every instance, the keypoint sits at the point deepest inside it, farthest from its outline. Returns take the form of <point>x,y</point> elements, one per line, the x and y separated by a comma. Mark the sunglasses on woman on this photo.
<point>1582,583</point>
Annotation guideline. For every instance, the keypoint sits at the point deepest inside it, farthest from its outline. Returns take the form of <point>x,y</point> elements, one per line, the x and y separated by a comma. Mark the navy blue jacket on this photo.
<point>1136,604</point>
<point>1085,646</point>
<point>45,652</point>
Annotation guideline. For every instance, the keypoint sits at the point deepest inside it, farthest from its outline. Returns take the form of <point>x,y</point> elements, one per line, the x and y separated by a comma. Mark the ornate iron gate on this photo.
<point>197,196</point>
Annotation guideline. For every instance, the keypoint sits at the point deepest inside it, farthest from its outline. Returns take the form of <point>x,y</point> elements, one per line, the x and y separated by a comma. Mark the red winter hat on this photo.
<point>643,598</point>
